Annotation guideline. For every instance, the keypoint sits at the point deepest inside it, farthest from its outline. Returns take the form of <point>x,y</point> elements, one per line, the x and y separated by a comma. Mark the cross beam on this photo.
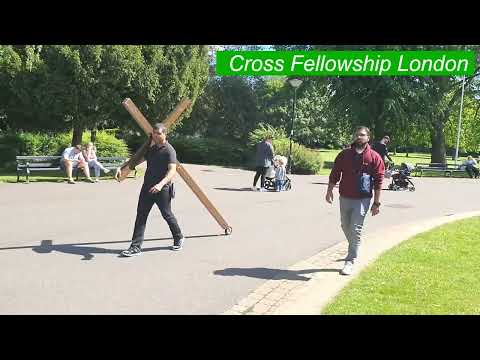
<point>138,157</point>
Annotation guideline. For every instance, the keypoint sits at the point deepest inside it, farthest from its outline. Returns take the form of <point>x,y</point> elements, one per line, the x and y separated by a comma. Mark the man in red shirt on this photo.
<point>361,170</point>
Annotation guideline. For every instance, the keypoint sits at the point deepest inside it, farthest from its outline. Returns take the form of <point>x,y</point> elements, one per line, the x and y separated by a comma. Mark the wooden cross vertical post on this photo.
<point>138,158</point>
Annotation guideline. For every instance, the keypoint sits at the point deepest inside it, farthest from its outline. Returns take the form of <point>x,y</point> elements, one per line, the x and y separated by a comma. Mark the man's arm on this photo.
<point>334,177</point>
<point>172,170</point>
<point>388,157</point>
<point>379,173</point>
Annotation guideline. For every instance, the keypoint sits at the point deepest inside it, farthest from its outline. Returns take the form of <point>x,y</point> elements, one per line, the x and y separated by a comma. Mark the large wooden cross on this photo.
<point>138,158</point>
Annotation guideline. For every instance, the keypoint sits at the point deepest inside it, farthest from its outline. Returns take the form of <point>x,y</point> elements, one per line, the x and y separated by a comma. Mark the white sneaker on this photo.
<point>254,188</point>
<point>178,244</point>
<point>263,189</point>
<point>347,269</point>
<point>106,171</point>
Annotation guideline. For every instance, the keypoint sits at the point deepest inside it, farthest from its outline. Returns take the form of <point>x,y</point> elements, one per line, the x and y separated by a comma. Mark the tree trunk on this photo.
<point>380,125</point>
<point>93,135</point>
<point>438,143</point>
<point>77,134</point>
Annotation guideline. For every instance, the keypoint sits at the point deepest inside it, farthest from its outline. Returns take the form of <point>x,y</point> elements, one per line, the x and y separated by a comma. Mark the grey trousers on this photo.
<point>352,215</point>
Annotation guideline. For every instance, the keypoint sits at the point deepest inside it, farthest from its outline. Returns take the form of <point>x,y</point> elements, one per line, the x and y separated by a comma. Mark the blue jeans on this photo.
<point>96,167</point>
<point>279,185</point>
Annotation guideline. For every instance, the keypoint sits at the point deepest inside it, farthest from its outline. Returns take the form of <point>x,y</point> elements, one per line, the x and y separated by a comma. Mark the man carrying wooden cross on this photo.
<point>157,189</point>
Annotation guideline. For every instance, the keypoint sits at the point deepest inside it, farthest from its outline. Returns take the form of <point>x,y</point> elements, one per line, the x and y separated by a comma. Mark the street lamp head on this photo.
<point>295,82</point>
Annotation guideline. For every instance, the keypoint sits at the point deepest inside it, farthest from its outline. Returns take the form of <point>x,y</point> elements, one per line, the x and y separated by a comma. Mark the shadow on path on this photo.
<point>47,247</point>
<point>87,252</point>
<point>234,189</point>
<point>269,274</point>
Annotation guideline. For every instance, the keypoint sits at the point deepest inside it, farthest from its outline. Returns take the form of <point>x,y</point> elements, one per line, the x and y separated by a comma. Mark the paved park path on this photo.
<point>59,244</point>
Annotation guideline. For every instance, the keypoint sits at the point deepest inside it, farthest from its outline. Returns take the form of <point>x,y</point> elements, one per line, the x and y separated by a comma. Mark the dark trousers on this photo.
<point>145,202</point>
<point>261,171</point>
<point>472,171</point>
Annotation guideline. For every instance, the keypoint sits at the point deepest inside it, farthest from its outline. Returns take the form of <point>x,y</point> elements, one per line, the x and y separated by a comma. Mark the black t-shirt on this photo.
<point>158,157</point>
<point>381,149</point>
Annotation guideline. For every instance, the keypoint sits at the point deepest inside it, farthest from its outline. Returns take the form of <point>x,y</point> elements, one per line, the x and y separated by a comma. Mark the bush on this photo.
<point>133,139</point>
<point>52,144</point>
<point>108,145</point>
<point>304,160</point>
<point>262,131</point>
<point>208,151</point>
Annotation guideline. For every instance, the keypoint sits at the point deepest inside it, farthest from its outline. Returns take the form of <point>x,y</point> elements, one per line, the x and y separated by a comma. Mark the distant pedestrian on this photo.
<point>471,167</point>
<point>381,148</point>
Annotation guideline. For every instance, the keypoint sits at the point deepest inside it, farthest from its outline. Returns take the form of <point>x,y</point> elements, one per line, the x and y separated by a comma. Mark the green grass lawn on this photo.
<point>436,272</point>
<point>329,156</point>
<point>10,176</point>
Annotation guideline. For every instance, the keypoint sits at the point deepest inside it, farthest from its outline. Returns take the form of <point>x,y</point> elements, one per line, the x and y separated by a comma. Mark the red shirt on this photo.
<point>348,164</point>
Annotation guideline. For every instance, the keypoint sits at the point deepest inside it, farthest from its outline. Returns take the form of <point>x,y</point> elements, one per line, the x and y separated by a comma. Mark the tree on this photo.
<point>82,86</point>
<point>228,108</point>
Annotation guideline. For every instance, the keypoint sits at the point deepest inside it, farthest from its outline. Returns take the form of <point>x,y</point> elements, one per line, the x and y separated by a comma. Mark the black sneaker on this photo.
<point>178,244</point>
<point>131,251</point>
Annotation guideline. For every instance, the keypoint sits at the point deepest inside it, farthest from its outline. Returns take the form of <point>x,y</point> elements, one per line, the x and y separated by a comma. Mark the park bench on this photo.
<point>446,169</point>
<point>27,164</point>
<point>111,163</point>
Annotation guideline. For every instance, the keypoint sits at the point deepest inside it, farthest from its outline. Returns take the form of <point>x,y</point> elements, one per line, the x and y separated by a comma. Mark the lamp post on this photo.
<point>295,84</point>
<point>459,121</point>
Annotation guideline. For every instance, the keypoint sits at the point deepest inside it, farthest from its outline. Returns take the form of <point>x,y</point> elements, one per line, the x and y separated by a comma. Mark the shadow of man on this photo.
<point>87,252</point>
<point>46,247</point>
<point>269,274</point>
<point>233,189</point>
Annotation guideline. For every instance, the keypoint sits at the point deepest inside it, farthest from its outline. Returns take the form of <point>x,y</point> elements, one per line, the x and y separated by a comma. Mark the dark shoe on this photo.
<point>131,251</point>
<point>178,244</point>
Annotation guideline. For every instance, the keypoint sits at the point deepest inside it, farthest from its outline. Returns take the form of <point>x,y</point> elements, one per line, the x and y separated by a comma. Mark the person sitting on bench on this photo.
<point>89,154</point>
<point>72,157</point>
<point>471,167</point>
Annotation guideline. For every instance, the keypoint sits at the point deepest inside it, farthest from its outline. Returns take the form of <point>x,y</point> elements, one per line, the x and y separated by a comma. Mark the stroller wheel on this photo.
<point>412,188</point>
<point>269,184</point>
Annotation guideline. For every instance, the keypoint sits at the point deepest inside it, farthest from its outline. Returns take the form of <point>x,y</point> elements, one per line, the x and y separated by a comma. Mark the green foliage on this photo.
<point>133,139</point>
<point>433,273</point>
<point>470,131</point>
<point>264,130</point>
<point>209,151</point>
<point>304,160</point>
<point>227,108</point>
<point>60,87</point>
<point>52,144</point>
<point>108,145</point>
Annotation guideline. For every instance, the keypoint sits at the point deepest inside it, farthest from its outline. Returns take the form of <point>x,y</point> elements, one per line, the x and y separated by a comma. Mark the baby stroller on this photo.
<point>401,179</point>
<point>270,180</point>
